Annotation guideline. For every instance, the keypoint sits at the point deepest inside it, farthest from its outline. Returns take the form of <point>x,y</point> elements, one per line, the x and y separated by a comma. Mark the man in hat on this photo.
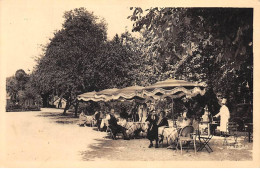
<point>224,116</point>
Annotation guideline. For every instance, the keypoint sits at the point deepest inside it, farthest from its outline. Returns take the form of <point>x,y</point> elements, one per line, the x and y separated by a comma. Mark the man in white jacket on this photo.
<point>224,116</point>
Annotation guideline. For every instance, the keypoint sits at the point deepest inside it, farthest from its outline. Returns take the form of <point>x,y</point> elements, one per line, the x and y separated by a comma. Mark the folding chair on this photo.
<point>204,137</point>
<point>249,130</point>
<point>231,131</point>
<point>187,135</point>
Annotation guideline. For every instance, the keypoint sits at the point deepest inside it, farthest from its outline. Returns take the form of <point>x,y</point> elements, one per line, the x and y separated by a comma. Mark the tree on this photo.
<point>66,67</point>
<point>21,88</point>
<point>12,88</point>
<point>212,45</point>
<point>80,59</point>
<point>16,83</point>
<point>120,62</point>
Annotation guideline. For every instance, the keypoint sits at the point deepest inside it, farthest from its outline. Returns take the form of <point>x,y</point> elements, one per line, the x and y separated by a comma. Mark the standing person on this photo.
<point>134,113</point>
<point>152,133</point>
<point>144,113</point>
<point>224,116</point>
<point>140,112</point>
<point>99,116</point>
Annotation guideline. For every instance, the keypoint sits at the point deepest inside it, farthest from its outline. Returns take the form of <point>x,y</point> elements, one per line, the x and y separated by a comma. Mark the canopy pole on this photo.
<point>160,102</point>
<point>76,108</point>
<point>172,110</point>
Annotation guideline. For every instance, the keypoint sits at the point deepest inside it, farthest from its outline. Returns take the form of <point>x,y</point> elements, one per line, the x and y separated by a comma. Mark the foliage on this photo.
<point>79,59</point>
<point>212,45</point>
<point>23,94</point>
<point>20,108</point>
<point>12,88</point>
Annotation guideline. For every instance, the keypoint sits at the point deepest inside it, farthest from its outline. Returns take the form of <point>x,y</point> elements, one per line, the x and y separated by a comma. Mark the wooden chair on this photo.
<point>231,131</point>
<point>187,135</point>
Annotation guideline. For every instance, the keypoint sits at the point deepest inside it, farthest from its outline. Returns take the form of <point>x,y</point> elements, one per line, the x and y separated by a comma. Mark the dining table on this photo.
<point>132,127</point>
<point>170,134</point>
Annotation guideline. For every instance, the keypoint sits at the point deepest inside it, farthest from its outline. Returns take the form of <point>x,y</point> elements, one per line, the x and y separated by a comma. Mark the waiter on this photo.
<point>224,116</point>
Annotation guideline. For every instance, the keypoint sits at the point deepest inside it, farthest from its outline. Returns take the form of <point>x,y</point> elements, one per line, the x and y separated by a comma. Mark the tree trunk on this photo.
<point>66,107</point>
<point>45,102</point>
<point>76,109</point>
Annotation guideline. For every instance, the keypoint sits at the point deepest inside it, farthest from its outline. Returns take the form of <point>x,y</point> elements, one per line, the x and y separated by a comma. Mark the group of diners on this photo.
<point>154,125</point>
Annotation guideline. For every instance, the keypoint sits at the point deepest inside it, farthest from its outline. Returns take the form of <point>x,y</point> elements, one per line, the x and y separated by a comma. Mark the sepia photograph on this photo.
<point>109,84</point>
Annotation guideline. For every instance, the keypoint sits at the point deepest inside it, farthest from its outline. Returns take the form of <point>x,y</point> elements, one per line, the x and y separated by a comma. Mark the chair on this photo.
<point>111,135</point>
<point>117,129</point>
<point>249,130</point>
<point>160,134</point>
<point>231,131</point>
<point>187,135</point>
<point>93,122</point>
<point>204,136</point>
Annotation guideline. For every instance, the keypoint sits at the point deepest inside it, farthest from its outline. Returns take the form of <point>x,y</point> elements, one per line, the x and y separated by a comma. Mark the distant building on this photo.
<point>59,102</point>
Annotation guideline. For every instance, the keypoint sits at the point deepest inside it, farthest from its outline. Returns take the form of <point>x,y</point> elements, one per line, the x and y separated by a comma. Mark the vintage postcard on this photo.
<point>127,84</point>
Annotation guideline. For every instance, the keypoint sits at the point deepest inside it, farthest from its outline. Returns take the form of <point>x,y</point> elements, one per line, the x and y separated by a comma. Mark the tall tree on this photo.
<point>21,88</point>
<point>80,59</point>
<point>66,67</point>
<point>213,45</point>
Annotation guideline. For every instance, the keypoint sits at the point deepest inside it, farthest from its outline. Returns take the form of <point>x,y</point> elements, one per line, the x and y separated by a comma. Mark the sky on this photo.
<point>28,24</point>
<point>25,25</point>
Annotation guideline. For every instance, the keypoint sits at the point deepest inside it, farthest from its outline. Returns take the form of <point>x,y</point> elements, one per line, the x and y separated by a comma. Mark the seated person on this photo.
<point>195,122</point>
<point>122,122</point>
<point>117,115</point>
<point>82,118</point>
<point>181,122</point>
<point>184,122</point>
<point>162,123</point>
<point>205,117</point>
<point>115,128</point>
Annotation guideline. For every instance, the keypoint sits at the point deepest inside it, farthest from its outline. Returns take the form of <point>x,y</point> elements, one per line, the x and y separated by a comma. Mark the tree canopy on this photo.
<point>212,45</point>
<point>20,88</point>
<point>79,58</point>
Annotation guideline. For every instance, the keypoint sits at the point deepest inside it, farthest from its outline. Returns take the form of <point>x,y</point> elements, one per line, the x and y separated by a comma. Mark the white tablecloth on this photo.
<point>84,119</point>
<point>171,134</point>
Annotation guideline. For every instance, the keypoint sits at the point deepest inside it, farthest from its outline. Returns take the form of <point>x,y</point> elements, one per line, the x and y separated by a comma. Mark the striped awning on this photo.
<point>174,89</point>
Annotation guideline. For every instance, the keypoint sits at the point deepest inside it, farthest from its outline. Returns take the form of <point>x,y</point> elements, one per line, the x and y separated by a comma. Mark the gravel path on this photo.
<point>48,136</point>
